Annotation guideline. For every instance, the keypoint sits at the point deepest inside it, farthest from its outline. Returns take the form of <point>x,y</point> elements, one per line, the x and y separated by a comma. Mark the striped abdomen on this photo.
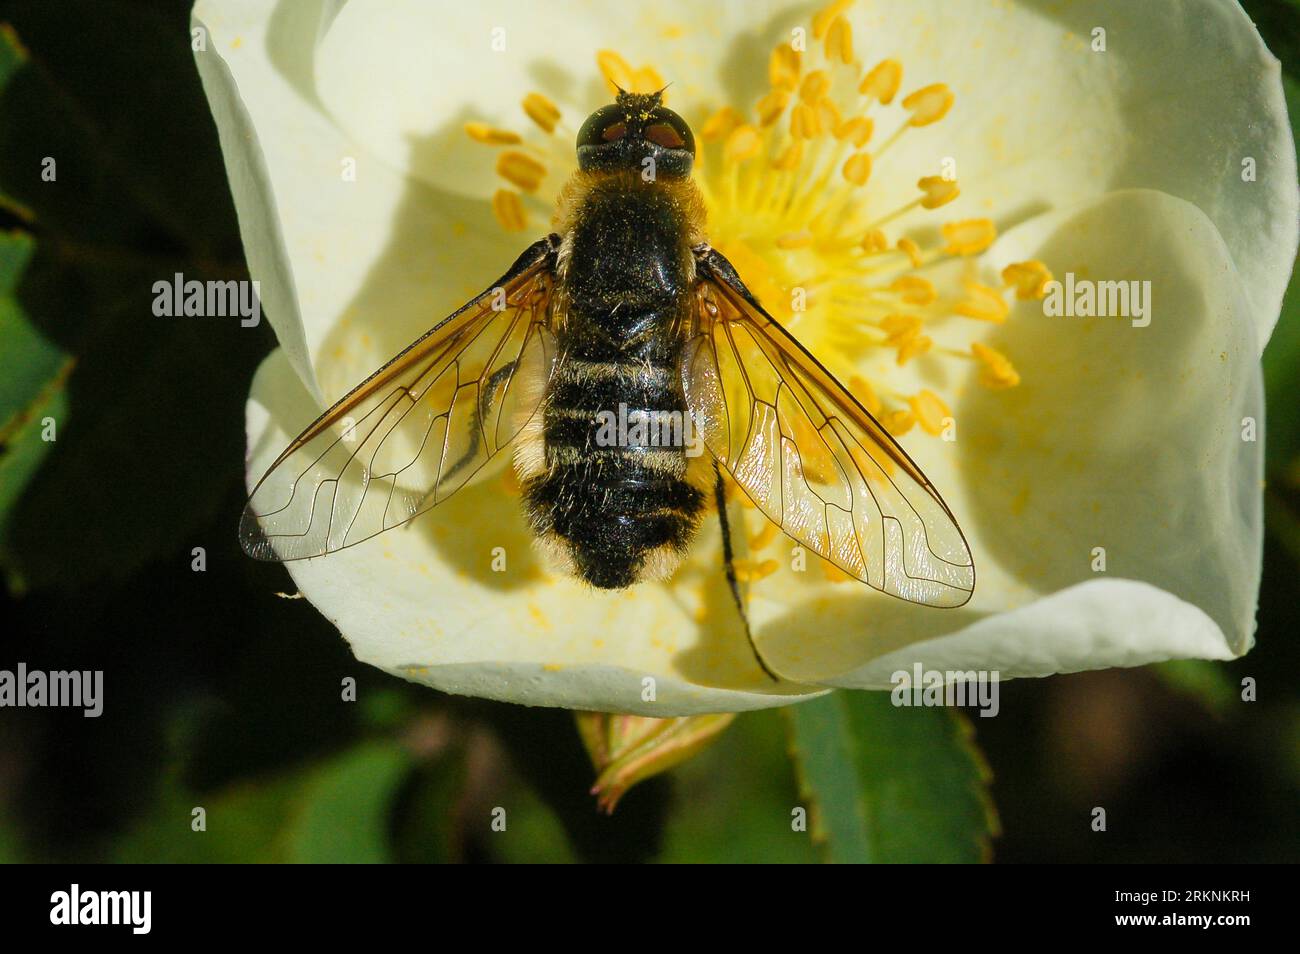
<point>614,489</point>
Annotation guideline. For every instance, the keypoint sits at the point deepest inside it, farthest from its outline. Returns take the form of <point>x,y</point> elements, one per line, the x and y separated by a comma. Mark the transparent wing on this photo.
<point>810,456</point>
<point>415,431</point>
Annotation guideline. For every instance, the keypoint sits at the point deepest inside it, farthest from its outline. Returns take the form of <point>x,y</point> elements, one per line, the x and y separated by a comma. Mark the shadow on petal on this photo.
<point>1125,443</point>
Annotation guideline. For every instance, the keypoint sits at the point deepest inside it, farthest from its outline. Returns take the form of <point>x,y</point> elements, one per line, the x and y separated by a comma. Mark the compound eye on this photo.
<point>614,132</point>
<point>662,134</point>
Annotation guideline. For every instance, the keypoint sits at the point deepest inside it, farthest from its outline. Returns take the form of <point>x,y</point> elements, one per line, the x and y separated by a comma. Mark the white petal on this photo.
<point>423,603</point>
<point>1184,93</point>
<point>404,76</point>
<point>1122,437</point>
<point>352,268</point>
<point>1084,627</point>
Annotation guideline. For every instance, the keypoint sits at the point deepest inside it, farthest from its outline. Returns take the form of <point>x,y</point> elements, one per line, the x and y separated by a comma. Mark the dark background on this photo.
<point>222,694</point>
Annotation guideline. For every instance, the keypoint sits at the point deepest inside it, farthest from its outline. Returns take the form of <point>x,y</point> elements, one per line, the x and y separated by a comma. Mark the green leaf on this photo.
<point>342,816</point>
<point>890,784</point>
<point>336,810</point>
<point>734,802</point>
<point>156,405</point>
<point>1204,680</point>
<point>33,372</point>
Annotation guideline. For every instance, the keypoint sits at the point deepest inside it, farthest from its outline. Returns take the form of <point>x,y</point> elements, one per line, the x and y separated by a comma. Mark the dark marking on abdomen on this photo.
<point>614,508</point>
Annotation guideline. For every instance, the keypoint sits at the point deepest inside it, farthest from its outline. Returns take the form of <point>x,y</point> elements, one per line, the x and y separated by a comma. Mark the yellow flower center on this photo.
<point>788,186</point>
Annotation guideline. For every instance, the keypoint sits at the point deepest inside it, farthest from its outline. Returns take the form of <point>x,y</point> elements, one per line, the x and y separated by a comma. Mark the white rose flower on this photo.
<point>919,171</point>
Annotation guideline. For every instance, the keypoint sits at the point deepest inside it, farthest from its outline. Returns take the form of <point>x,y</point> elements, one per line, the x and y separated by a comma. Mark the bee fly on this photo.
<point>624,308</point>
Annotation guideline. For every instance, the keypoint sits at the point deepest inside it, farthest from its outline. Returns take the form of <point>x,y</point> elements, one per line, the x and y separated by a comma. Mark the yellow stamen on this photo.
<point>830,114</point>
<point>771,106</point>
<point>720,125</point>
<point>883,81</point>
<point>938,191</point>
<point>542,111</point>
<point>856,131</point>
<point>861,389</point>
<point>743,143</point>
<point>875,241</point>
<point>784,66</point>
<point>790,240</point>
<point>913,346</point>
<point>815,86</point>
<point>833,573</point>
<point>764,536</point>
<point>997,371</point>
<point>839,41</point>
<point>969,237</point>
<point>617,71</point>
<point>491,136</point>
<point>521,170</point>
<point>897,422</point>
<point>804,122</point>
<point>1029,279</point>
<point>929,104</point>
<point>930,411</point>
<point>800,211</point>
<point>824,18</point>
<point>751,571</point>
<point>857,168</point>
<point>509,210</point>
<point>915,289</point>
<point>983,304</point>
<point>790,158</point>
<point>619,74</point>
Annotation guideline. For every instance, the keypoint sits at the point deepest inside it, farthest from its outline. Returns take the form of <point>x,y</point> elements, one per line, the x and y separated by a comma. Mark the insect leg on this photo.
<point>728,559</point>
